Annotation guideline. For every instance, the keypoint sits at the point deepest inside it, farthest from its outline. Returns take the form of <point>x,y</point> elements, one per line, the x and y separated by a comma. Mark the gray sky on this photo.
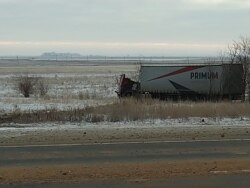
<point>122,27</point>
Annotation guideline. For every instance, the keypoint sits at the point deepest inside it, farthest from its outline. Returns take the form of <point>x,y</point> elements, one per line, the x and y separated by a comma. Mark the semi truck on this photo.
<point>198,81</point>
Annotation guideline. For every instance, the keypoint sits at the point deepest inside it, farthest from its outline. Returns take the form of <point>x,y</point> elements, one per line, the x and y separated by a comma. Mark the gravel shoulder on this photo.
<point>131,172</point>
<point>59,133</point>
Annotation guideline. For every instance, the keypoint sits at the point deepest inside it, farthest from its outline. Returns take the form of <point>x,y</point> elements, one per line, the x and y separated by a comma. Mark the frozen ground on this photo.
<point>194,123</point>
<point>191,122</point>
<point>69,86</point>
<point>186,123</point>
<point>148,130</point>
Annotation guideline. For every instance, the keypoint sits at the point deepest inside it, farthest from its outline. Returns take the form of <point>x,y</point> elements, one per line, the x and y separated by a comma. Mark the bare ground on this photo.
<point>138,172</point>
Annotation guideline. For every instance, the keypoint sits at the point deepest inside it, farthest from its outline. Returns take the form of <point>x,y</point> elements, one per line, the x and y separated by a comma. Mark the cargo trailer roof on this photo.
<point>184,64</point>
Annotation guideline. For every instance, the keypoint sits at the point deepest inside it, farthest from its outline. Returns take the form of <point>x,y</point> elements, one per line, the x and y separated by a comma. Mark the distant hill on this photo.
<point>54,55</point>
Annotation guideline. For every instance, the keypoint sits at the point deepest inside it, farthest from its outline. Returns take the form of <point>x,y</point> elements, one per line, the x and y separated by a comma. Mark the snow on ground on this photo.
<point>69,87</point>
<point>191,122</point>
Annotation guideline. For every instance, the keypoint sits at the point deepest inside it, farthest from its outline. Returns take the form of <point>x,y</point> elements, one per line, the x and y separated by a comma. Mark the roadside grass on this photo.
<point>131,110</point>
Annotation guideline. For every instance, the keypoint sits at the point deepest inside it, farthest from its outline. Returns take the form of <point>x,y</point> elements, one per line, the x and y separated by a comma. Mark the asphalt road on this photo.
<point>14,156</point>
<point>123,152</point>
<point>232,181</point>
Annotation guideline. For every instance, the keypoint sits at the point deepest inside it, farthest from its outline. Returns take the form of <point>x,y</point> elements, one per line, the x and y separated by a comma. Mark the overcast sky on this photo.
<point>122,27</point>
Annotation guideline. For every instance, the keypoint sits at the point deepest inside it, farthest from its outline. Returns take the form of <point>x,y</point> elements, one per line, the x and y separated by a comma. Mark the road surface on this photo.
<point>127,164</point>
<point>123,152</point>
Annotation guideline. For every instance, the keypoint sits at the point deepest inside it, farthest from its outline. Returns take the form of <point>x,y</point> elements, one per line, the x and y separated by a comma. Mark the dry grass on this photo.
<point>132,110</point>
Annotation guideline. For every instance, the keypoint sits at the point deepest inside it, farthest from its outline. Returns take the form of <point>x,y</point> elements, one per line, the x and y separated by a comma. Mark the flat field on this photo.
<point>69,86</point>
<point>81,102</point>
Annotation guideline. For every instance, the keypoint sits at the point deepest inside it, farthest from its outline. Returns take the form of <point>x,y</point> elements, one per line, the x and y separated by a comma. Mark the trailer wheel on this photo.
<point>128,94</point>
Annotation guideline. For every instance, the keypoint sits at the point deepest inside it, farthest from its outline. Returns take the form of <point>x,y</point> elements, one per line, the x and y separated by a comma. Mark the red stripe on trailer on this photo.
<point>185,69</point>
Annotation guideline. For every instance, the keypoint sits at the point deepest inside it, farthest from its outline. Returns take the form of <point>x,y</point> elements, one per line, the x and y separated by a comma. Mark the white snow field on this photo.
<point>69,86</point>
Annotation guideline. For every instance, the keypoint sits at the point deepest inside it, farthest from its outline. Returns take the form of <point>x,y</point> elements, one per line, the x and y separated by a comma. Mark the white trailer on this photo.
<point>192,81</point>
